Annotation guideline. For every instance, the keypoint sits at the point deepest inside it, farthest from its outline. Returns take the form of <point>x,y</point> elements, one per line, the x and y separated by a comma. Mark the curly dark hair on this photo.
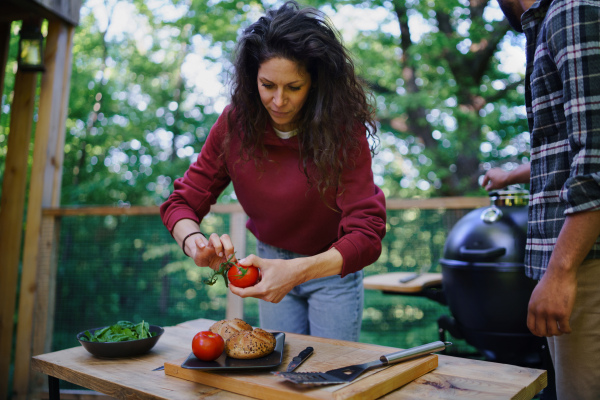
<point>336,102</point>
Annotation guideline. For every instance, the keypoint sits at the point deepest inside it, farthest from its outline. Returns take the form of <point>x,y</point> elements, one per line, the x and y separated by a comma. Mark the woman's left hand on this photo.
<point>277,278</point>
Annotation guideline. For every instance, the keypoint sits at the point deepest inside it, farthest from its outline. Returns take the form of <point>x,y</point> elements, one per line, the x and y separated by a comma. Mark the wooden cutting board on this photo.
<point>328,354</point>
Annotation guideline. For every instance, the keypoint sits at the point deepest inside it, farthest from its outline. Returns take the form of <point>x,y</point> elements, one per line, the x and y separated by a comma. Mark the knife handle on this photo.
<point>414,352</point>
<point>305,353</point>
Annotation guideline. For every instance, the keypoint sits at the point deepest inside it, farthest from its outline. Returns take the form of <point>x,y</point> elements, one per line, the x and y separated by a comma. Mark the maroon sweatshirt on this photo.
<point>283,209</point>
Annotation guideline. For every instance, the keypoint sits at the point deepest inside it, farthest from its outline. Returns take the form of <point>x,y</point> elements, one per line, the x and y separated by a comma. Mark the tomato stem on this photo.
<point>223,268</point>
<point>243,271</point>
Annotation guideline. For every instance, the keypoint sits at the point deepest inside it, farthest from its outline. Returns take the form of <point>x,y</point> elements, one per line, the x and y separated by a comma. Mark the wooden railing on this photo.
<point>391,204</point>
<point>237,227</point>
<point>238,222</point>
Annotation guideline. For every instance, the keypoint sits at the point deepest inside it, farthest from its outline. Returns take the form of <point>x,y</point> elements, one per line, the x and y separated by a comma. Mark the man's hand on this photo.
<point>552,301</point>
<point>497,178</point>
<point>551,304</point>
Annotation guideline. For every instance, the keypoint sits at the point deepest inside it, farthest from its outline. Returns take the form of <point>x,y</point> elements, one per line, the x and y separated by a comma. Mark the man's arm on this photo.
<point>553,298</point>
<point>497,178</point>
<point>552,301</point>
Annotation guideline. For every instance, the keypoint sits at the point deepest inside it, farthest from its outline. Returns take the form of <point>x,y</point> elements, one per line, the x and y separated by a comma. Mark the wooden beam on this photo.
<point>12,206</point>
<point>438,202</point>
<point>100,211</point>
<point>391,204</point>
<point>46,137</point>
<point>66,11</point>
<point>45,298</point>
<point>237,231</point>
<point>62,128</point>
<point>134,210</point>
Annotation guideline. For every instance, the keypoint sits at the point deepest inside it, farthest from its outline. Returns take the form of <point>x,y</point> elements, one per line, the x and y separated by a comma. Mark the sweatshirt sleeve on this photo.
<point>202,183</point>
<point>363,223</point>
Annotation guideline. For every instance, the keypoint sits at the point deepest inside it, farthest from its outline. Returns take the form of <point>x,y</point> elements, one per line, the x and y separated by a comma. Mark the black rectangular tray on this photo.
<point>227,363</point>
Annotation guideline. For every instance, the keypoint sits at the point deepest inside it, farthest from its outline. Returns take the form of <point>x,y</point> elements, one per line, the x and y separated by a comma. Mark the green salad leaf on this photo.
<point>120,332</point>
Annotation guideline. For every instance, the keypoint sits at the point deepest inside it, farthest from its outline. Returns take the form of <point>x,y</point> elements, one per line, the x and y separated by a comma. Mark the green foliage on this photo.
<point>143,99</point>
<point>442,99</point>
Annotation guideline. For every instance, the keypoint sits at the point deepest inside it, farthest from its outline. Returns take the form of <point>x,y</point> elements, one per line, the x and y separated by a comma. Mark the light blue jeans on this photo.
<point>329,307</point>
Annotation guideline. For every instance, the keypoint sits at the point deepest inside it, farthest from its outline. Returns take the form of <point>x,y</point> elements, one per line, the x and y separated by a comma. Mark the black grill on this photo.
<point>484,281</point>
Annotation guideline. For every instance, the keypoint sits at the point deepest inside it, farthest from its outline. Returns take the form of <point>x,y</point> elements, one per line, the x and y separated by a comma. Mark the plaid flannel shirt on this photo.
<point>563,110</point>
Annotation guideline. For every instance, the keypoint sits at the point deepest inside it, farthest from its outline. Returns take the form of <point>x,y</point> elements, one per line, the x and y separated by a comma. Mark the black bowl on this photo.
<point>128,348</point>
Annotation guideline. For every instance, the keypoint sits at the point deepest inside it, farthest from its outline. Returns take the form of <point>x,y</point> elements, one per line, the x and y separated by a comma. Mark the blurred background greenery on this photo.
<point>150,78</point>
<point>129,268</point>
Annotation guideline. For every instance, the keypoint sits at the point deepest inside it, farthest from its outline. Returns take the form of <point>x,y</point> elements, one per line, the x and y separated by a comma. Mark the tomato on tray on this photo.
<point>207,345</point>
<point>241,276</point>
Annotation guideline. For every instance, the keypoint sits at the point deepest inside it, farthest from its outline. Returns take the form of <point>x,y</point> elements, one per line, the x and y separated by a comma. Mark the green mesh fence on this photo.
<point>113,268</point>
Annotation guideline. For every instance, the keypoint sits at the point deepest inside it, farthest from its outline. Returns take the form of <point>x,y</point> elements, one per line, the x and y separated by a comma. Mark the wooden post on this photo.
<point>45,298</point>
<point>237,230</point>
<point>40,194</point>
<point>11,212</point>
<point>43,315</point>
<point>59,152</point>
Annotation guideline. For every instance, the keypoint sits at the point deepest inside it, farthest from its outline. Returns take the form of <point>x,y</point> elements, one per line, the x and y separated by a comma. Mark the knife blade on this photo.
<point>299,359</point>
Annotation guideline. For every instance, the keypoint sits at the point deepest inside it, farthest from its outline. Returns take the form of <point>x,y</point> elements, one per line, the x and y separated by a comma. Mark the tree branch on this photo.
<point>486,50</point>
<point>402,13</point>
<point>501,93</point>
<point>376,87</point>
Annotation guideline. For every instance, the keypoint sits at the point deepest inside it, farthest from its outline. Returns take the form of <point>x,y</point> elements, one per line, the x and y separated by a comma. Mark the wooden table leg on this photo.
<point>53,388</point>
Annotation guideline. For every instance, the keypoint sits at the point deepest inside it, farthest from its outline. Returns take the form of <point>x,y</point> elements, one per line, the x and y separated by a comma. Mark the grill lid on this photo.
<point>491,235</point>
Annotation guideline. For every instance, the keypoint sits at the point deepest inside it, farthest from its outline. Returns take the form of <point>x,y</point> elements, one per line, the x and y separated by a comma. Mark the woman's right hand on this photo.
<point>212,252</point>
<point>206,252</point>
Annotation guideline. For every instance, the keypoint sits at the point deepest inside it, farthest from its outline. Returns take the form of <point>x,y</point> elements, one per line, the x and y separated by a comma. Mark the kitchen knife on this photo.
<point>299,359</point>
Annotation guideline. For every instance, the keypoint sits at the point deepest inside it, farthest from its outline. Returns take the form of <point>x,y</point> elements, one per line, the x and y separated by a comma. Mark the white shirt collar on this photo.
<point>285,135</point>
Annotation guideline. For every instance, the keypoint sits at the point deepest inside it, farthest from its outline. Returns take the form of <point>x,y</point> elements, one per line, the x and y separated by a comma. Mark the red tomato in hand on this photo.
<point>241,276</point>
<point>207,346</point>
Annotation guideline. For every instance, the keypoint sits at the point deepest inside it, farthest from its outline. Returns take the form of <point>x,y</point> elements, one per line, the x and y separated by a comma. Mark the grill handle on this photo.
<point>481,254</point>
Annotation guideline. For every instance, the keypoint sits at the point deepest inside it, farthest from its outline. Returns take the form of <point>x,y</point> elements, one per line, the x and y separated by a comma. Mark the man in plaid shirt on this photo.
<point>562,96</point>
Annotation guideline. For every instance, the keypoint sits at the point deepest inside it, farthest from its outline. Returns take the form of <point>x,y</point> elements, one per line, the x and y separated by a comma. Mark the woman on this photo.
<point>294,143</point>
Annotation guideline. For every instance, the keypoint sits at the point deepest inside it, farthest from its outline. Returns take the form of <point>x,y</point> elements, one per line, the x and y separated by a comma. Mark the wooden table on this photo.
<point>454,378</point>
<point>391,282</point>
